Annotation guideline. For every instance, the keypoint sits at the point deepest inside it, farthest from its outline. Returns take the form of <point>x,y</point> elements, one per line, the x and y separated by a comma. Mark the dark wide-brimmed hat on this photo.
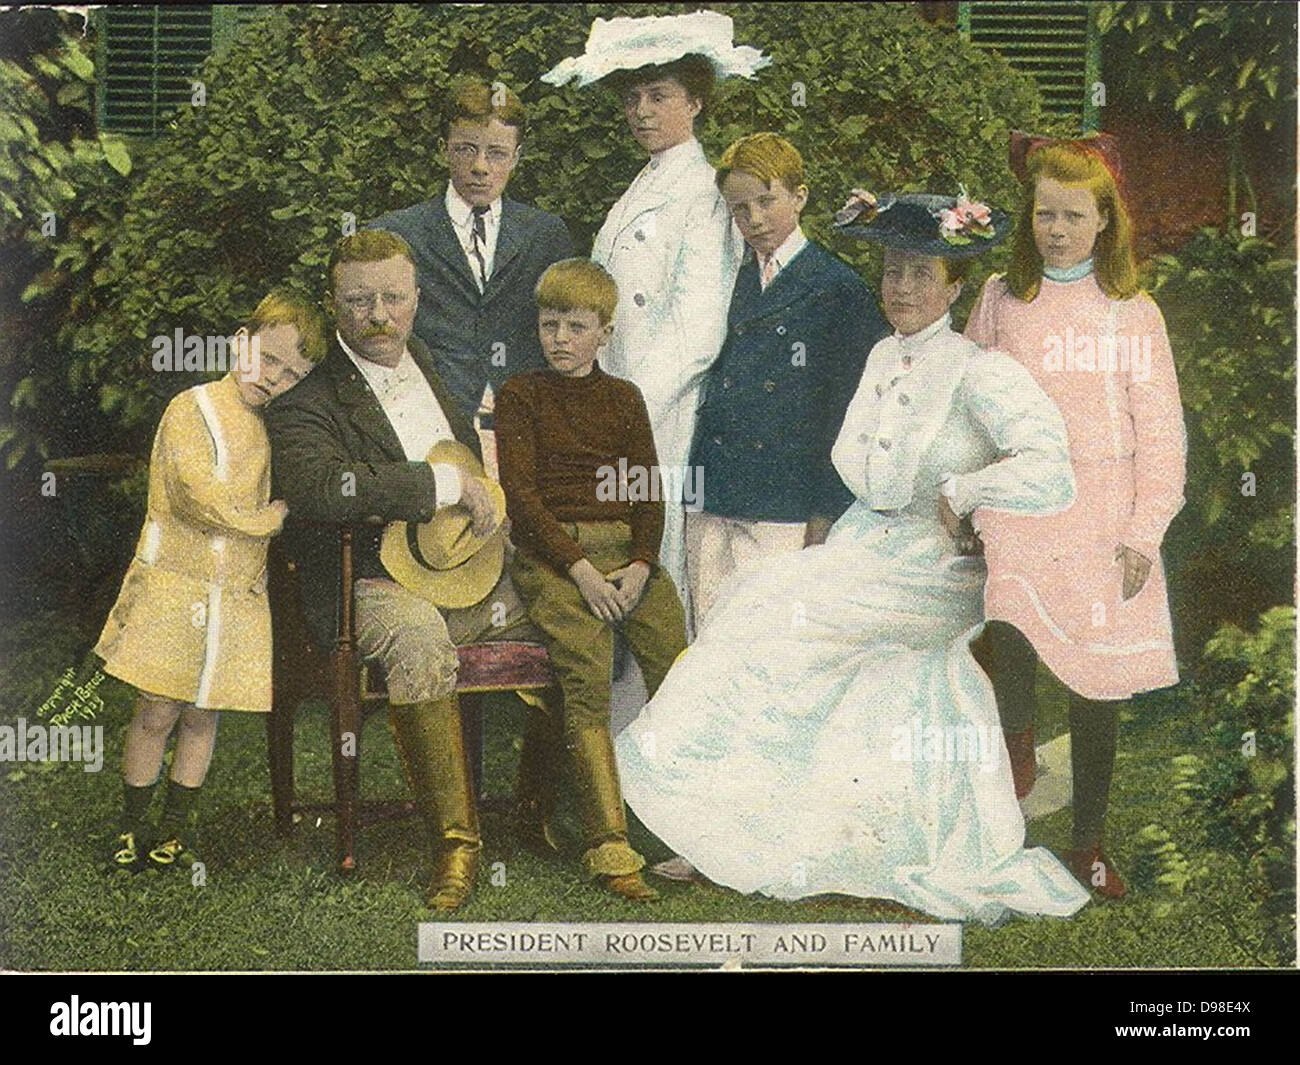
<point>946,227</point>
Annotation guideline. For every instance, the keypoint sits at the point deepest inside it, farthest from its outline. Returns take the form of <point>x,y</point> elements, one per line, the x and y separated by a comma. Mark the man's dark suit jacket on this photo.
<point>461,326</point>
<point>330,425</point>
<point>766,424</point>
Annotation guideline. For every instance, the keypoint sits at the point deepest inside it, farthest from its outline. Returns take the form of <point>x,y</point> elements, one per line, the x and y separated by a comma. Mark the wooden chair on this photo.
<point>302,671</point>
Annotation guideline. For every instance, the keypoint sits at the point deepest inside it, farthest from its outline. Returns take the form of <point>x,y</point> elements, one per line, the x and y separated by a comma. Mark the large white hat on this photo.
<point>630,43</point>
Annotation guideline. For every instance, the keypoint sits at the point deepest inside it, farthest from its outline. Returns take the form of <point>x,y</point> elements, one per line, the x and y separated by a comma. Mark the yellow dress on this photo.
<point>192,621</point>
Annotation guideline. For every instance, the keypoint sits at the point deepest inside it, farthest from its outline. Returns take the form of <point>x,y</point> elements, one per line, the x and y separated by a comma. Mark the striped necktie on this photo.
<point>769,271</point>
<point>480,243</point>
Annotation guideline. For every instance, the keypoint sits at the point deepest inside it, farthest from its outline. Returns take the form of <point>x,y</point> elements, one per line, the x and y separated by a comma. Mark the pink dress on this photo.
<point>1108,367</point>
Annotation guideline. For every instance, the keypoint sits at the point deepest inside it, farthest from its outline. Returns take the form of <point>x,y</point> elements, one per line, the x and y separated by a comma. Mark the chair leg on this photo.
<point>346,735</point>
<point>279,740</point>
<point>471,723</point>
<point>347,787</point>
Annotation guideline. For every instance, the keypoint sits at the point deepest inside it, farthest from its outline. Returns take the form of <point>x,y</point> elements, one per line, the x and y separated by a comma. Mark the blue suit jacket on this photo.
<point>776,396</point>
<point>464,328</point>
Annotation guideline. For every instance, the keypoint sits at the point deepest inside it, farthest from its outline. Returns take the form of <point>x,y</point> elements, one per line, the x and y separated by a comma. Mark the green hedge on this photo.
<point>1228,305</point>
<point>1237,799</point>
<point>54,173</point>
<point>315,112</point>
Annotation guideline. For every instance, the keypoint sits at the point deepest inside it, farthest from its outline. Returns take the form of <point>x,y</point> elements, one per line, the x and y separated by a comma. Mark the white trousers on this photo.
<point>717,547</point>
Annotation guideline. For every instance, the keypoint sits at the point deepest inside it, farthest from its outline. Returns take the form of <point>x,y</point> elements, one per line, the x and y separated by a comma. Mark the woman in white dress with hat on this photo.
<point>829,731</point>
<point>668,242</point>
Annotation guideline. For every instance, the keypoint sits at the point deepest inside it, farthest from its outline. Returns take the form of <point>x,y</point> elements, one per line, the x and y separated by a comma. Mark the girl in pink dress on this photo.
<point>1083,590</point>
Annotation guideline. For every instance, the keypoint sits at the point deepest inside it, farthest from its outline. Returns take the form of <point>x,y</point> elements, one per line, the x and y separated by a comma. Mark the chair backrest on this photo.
<point>298,666</point>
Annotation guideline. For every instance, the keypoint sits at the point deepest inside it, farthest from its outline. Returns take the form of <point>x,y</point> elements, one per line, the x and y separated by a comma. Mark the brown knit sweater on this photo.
<point>554,434</point>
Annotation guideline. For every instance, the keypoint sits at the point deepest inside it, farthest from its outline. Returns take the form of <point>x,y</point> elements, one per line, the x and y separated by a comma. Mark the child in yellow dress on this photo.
<point>191,628</point>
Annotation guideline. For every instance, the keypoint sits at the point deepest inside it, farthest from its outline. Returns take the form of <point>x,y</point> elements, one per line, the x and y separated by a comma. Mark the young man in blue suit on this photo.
<point>799,329</point>
<point>478,255</point>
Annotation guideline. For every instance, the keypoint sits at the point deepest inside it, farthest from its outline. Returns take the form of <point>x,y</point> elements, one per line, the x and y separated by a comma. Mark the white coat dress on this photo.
<point>670,246</point>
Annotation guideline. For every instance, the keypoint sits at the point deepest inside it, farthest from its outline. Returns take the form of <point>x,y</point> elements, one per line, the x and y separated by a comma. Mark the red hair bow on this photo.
<point>1102,145</point>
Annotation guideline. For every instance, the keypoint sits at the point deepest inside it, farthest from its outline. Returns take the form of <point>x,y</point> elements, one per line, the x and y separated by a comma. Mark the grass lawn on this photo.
<point>272,903</point>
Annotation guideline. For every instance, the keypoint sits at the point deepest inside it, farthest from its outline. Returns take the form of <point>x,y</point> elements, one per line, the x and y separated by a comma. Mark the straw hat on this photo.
<point>442,560</point>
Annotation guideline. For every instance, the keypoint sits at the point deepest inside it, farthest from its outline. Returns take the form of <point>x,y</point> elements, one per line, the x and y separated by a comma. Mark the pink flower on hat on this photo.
<point>965,219</point>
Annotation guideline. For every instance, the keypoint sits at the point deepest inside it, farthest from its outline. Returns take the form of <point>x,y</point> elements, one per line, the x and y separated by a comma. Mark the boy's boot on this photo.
<point>432,747</point>
<point>174,826</point>
<point>540,765</point>
<point>608,857</point>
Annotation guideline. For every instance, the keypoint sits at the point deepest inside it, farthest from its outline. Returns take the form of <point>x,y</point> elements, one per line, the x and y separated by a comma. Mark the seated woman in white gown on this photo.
<point>829,731</point>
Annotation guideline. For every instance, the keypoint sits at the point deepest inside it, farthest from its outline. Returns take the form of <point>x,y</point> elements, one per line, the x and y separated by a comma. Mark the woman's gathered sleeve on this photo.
<point>849,452</point>
<point>981,326</point>
<point>197,489</point>
<point>1159,434</point>
<point>1033,473</point>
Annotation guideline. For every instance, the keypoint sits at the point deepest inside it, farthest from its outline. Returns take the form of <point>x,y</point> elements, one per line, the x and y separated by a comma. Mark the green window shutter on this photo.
<point>1057,44</point>
<point>147,57</point>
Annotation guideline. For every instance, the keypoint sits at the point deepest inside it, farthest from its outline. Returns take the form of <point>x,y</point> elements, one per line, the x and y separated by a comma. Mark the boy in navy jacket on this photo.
<point>799,329</point>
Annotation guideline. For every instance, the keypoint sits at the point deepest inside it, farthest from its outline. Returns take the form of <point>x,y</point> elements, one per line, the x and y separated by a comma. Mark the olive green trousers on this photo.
<point>581,647</point>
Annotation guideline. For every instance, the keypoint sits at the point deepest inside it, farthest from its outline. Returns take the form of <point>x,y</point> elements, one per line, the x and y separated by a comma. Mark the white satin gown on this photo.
<point>829,730</point>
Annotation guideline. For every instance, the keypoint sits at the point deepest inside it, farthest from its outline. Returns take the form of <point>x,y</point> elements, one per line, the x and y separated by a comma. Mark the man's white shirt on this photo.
<point>414,413</point>
<point>781,258</point>
<point>462,220</point>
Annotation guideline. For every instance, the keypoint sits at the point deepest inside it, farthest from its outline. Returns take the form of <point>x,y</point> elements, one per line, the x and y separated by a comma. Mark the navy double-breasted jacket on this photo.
<point>774,399</point>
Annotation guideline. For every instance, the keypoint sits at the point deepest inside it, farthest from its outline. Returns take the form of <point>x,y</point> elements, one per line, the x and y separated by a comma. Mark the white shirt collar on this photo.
<point>376,370</point>
<point>677,152</point>
<point>413,412</point>
<point>790,247</point>
<point>911,344</point>
<point>462,212</point>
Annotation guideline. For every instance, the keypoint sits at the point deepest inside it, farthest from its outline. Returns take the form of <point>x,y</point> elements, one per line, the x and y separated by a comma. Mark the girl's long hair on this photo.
<point>1112,254</point>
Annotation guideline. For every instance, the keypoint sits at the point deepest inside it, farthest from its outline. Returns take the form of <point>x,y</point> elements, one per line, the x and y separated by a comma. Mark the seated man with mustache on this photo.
<point>350,443</point>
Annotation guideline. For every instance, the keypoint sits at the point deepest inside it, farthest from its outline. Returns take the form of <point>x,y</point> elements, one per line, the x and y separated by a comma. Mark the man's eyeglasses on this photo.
<point>359,303</point>
<point>467,153</point>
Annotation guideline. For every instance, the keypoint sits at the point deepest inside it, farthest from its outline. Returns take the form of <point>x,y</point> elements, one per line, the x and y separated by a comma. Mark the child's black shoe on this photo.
<point>125,854</point>
<point>171,853</point>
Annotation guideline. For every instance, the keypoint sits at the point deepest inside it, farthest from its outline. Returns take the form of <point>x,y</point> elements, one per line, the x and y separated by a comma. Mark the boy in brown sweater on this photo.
<point>578,465</point>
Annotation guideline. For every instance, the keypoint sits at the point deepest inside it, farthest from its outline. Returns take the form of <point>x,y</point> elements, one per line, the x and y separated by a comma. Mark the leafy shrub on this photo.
<point>1230,303</point>
<point>54,171</point>
<point>320,112</point>
<point>1228,66</point>
<point>1227,302</point>
<point>1239,798</point>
